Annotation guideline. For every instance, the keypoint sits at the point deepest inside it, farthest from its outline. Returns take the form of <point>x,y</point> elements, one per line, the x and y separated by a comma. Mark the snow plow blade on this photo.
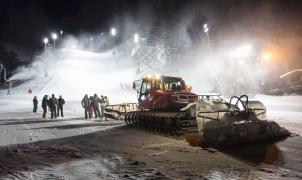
<point>223,124</point>
<point>118,111</point>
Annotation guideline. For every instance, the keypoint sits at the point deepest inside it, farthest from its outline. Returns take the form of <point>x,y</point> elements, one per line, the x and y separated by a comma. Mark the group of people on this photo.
<point>94,104</point>
<point>54,105</point>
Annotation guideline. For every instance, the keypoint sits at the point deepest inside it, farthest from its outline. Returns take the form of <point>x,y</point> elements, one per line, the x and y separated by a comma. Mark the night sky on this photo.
<point>25,22</point>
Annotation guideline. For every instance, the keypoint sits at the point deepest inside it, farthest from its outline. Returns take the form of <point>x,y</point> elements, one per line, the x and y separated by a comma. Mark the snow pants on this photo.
<point>97,112</point>
<point>90,111</point>
<point>53,112</point>
<point>86,109</point>
<point>60,109</point>
<point>35,108</point>
<point>44,111</point>
<point>103,112</point>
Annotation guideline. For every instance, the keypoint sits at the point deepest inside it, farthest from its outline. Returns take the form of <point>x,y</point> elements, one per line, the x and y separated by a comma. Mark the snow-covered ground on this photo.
<point>74,148</point>
<point>286,110</point>
<point>72,76</point>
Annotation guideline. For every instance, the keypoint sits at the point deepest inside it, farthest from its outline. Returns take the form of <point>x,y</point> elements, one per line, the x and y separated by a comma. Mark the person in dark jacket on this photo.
<point>61,102</point>
<point>85,104</point>
<point>35,102</point>
<point>96,105</point>
<point>91,107</point>
<point>53,105</point>
<point>44,106</point>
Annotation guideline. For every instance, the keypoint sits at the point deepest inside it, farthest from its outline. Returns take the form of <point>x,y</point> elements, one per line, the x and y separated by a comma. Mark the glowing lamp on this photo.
<point>136,38</point>
<point>267,56</point>
<point>54,36</point>
<point>45,40</point>
<point>113,31</point>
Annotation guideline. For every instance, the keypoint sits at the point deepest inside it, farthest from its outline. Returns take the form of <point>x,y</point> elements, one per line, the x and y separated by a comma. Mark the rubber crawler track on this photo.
<point>170,123</point>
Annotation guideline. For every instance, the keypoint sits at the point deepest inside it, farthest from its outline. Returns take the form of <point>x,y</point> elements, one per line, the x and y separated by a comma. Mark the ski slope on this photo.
<point>73,73</point>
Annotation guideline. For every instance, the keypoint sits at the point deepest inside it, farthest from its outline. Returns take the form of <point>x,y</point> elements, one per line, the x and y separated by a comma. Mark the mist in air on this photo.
<point>232,60</point>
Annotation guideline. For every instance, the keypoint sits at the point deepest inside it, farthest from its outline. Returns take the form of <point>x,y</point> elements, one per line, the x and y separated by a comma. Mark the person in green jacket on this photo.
<point>106,101</point>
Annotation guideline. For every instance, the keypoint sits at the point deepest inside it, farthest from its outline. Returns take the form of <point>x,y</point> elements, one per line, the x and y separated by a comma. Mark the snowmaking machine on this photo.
<point>167,105</point>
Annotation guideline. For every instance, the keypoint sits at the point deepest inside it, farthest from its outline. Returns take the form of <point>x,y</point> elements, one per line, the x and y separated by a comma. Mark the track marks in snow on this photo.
<point>69,160</point>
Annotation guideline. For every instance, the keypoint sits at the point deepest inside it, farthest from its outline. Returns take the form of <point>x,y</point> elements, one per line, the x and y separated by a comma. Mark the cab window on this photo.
<point>145,91</point>
<point>173,85</point>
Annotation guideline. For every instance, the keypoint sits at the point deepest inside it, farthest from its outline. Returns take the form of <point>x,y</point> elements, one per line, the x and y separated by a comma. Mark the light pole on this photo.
<point>61,32</point>
<point>136,40</point>
<point>45,40</point>
<point>212,71</point>
<point>206,31</point>
<point>113,33</point>
<point>91,43</point>
<point>54,37</point>
<point>7,81</point>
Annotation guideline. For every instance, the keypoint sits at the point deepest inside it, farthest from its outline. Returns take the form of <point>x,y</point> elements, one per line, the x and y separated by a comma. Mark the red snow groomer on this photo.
<point>166,105</point>
<point>160,100</point>
<point>163,93</point>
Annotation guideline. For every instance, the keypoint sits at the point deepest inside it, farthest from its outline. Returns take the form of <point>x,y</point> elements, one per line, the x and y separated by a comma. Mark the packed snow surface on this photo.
<point>74,73</point>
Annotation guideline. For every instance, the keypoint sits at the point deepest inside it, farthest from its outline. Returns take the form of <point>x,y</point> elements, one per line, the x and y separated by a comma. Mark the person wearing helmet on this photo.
<point>35,103</point>
<point>61,102</point>
<point>85,104</point>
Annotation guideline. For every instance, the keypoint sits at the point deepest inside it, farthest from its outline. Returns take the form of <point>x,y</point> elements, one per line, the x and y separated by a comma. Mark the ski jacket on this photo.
<point>106,101</point>
<point>35,101</point>
<point>61,102</point>
<point>45,102</point>
<point>52,102</point>
<point>97,102</point>
<point>85,102</point>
